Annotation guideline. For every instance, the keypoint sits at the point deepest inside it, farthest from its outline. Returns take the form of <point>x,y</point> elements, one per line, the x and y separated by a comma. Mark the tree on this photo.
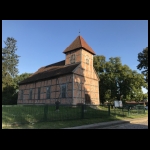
<point>9,62</point>
<point>145,96</point>
<point>143,59</point>
<point>9,70</point>
<point>117,81</point>
<point>99,65</point>
<point>10,92</point>
<point>20,78</point>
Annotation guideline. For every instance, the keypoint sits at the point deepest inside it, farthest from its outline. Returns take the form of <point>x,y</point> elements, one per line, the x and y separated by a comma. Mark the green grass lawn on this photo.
<point>32,117</point>
<point>40,113</point>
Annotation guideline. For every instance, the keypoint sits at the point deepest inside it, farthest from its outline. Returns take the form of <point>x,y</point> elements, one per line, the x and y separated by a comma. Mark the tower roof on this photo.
<point>79,42</point>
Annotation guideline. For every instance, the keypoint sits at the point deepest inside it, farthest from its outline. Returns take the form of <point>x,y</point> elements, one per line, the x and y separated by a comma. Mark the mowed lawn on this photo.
<point>47,117</point>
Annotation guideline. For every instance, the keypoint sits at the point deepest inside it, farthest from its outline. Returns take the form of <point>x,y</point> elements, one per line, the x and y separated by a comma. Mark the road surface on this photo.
<point>137,125</point>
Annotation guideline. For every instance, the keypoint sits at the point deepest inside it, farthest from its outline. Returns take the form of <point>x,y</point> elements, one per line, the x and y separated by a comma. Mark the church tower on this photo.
<point>85,76</point>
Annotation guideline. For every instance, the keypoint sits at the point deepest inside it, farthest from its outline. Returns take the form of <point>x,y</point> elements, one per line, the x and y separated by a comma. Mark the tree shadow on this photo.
<point>9,95</point>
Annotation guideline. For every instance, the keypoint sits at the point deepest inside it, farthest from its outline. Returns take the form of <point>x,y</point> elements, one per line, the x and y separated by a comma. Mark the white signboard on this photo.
<point>118,103</point>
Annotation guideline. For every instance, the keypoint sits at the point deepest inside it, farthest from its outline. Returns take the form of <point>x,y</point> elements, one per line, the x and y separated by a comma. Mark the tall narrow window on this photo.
<point>30,94</point>
<point>48,92</point>
<point>72,59</point>
<point>87,61</point>
<point>21,94</point>
<point>39,92</point>
<point>63,90</point>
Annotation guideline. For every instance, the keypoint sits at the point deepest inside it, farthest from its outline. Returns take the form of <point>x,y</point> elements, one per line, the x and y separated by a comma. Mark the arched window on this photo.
<point>87,60</point>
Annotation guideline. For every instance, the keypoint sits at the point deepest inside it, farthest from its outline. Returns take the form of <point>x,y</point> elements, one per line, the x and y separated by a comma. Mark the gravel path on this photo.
<point>140,125</point>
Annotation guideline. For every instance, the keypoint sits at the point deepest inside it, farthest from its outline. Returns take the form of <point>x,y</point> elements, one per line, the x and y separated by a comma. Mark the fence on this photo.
<point>40,113</point>
<point>126,110</point>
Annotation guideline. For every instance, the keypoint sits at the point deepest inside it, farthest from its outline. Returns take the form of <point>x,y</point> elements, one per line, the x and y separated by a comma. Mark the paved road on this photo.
<point>140,125</point>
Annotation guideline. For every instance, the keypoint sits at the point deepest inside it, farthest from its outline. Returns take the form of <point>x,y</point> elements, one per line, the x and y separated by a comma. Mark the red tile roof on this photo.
<point>79,42</point>
<point>50,71</point>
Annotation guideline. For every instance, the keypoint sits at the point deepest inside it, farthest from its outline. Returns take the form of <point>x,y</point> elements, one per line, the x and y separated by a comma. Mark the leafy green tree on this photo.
<point>9,69</point>
<point>20,78</point>
<point>145,96</point>
<point>9,62</point>
<point>10,77</point>
<point>99,65</point>
<point>10,92</point>
<point>143,62</point>
<point>117,81</point>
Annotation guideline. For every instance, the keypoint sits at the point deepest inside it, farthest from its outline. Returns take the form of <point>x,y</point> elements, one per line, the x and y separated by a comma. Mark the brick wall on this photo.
<point>77,56</point>
<point>86,80</point>
<point>84,85</point>
<point>55,91</point>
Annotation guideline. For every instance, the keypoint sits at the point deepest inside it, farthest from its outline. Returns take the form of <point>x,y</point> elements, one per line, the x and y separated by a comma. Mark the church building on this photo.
<point>70,81</point>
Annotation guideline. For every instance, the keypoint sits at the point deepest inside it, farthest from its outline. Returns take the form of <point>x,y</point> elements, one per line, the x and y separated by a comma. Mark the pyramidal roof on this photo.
<point>79,42</point>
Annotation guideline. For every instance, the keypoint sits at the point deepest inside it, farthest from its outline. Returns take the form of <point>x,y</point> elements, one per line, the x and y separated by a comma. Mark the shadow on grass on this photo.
<point>35,116</point>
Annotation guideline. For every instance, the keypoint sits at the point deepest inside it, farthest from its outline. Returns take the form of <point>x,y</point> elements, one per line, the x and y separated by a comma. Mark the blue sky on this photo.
<point>41,42</point>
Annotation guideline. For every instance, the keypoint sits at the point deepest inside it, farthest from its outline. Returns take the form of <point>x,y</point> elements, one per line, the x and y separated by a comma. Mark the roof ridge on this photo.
<point>52,73</point>
<point>55,64</point>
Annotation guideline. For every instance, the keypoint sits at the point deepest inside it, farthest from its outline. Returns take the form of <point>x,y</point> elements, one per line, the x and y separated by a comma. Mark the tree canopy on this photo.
<point>9,62</point>
<point>10,92</point>
<point>143,62</point>
<point>118,81</point>
<point>10,77</point>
